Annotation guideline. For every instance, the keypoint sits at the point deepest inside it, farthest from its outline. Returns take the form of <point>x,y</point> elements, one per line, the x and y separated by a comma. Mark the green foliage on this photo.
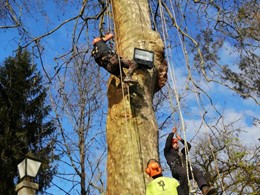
<point>234,167</point>
<point>24,123</point>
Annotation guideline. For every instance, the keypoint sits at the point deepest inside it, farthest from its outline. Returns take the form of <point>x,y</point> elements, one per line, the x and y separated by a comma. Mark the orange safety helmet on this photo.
<point>175,140</point>
<point>153,168</point>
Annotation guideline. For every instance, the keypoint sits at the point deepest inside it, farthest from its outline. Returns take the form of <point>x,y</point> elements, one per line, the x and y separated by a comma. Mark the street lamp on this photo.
<point>28,169</point>
<point>144,58</point>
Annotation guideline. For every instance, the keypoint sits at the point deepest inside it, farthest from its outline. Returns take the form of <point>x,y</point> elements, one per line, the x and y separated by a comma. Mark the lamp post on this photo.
<point>28,170</point>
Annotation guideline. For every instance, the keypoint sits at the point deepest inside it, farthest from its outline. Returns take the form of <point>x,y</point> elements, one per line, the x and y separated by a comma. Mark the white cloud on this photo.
<point>250,134</point>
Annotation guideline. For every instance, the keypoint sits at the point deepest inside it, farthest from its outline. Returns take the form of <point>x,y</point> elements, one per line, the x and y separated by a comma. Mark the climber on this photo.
<point>161,185</point>
<point>110,61</point>
<point>176,161</point>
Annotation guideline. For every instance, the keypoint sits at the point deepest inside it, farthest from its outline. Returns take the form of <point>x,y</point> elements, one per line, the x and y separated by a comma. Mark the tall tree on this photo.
<point>132,131</point>
<point>25,125</point>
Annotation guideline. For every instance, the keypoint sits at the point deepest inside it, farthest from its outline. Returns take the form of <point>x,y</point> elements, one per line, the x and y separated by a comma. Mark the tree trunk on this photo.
<point>132,132</point>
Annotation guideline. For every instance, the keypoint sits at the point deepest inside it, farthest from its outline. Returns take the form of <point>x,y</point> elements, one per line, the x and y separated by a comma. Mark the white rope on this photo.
<point>126,125</point>
<point>173,79</point>
<point>196,95</point>
<point>137,137</point>
<point>188,161</point>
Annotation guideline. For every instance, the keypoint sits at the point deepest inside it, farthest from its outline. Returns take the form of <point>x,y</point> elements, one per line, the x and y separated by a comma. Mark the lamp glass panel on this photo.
<point>143,55</point>
<point>32,167</point>
<point>21,169</point>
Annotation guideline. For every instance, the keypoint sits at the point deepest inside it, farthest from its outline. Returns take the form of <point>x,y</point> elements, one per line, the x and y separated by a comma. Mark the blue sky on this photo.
<point>229,103</point>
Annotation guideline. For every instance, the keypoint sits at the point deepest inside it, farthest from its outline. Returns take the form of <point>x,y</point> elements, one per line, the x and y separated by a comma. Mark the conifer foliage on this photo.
<point>24,122</point>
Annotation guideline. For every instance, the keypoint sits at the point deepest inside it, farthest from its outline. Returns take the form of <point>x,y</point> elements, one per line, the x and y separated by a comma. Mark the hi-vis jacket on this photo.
<point>164,186</point>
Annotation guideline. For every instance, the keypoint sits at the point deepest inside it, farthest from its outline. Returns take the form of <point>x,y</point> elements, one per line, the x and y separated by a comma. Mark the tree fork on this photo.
<point>132,131</point>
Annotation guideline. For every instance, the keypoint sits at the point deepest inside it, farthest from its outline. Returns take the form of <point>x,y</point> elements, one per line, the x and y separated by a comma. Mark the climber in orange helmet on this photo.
<point>161,185</point>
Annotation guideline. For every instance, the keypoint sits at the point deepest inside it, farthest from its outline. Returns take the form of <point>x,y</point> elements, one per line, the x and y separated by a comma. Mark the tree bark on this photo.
<point>132,131</point>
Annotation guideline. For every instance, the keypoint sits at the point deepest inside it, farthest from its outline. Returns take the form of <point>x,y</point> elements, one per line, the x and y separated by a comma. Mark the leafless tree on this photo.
<point>228,160</point>
<point>77,98</point>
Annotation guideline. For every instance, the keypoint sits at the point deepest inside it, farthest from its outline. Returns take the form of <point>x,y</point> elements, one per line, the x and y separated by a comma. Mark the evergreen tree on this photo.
<point>24,122</point>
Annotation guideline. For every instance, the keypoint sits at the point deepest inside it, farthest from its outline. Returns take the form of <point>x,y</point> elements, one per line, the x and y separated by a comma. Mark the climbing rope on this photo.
<point>137,138</point>
<point>196,95</point>
<point>126,125</point>
<point>119,60</point>
<point>184,50</point>
<point>108,11</point>
<point>173,79</point>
